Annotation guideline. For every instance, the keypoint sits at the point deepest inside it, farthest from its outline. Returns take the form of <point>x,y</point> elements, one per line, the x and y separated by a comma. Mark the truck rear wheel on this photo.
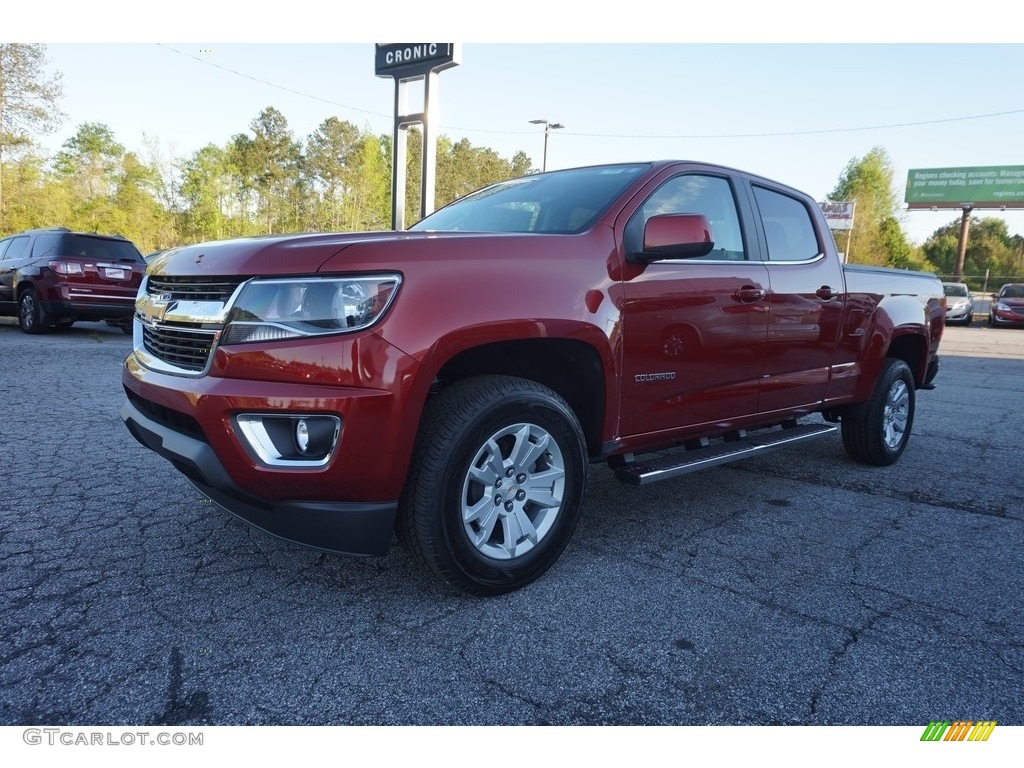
<point>879,432</point>
<point>496,484</point>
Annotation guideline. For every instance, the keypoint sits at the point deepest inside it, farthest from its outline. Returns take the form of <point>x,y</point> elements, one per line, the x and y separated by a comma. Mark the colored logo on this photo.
<point>960,730</point>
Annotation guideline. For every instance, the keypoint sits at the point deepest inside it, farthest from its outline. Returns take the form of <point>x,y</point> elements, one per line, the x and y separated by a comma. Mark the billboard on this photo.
<point>994,186</point>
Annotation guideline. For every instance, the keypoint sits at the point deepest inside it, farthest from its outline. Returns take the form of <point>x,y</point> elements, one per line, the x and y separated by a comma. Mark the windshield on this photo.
<point>1012,292</point>
<point>954,289</point>
<point>562,202</point>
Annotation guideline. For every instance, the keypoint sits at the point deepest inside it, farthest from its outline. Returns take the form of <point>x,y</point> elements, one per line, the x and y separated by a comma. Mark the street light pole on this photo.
<point>548,127</point>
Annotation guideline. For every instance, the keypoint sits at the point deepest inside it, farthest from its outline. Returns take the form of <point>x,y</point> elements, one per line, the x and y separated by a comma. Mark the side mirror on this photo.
<point>675,236</point>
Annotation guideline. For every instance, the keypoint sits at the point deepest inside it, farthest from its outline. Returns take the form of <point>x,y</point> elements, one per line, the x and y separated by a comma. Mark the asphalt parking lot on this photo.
<point>797,588</point>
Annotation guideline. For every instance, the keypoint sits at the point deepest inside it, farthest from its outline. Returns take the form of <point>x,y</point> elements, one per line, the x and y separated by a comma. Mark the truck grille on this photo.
<point>193,288</point>
<point>181,319</point>
<point>184,347</point>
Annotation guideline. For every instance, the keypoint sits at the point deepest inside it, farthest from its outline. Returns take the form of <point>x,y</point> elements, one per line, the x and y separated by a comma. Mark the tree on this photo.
<point>205,189</point>
<point>91,157</point>
<point>89,165</point>
<point>137,213</point>
<point>35,197</point>
<point>331,156</point>
<point>28,100</point>
<point>276,163</point>
<point>368,206</point>
<point>521,164</point>
<point>989,247</point>
<point>876,237</point>
<point>240,160</point>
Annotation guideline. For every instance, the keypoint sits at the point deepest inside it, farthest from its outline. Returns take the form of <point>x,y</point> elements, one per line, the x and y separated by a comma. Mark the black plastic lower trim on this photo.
<point>342,528</point>
<point>90,310</point>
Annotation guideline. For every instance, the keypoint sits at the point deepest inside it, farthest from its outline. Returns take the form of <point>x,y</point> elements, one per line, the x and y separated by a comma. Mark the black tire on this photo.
<point>877,432</point>
<point>31,316</point>
<point>495,457</point>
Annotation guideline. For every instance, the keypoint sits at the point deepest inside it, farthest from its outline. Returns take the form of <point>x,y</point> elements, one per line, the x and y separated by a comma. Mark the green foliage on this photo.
<point>877,237</point>
<point>260,181</point>
<point>28,102</point>
<point>90,160</point>
<point>990,247</point>
<point>333,153</point>
<point>205,192</point>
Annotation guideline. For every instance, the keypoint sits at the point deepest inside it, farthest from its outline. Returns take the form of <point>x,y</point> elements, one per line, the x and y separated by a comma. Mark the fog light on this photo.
<point>289,441</point>
<point>302,435</point>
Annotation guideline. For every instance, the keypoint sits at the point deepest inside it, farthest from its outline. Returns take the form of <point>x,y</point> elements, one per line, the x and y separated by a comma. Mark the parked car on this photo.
<point>959,303</point>
<point>1008,306</point>
<point>54,277</point>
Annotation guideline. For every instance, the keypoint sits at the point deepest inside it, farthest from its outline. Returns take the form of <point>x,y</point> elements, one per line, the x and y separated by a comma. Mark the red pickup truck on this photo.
<point>450,384</point>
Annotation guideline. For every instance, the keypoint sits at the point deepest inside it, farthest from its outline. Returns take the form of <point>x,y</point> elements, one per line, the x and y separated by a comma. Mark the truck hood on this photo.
<point>282,255</point>
<point>266,255</point>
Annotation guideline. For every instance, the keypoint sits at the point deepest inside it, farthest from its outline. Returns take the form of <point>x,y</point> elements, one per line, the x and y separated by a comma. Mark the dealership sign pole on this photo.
<point>995,187</point>
<point>406,62</point>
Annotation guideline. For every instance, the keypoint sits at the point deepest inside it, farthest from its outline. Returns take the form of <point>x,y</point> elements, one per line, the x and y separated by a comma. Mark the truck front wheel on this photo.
<point>496,484</point>
<point>878,433</point>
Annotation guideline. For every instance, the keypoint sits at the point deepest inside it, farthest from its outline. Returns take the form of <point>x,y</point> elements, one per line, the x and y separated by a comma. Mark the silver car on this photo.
<point>959,304</point>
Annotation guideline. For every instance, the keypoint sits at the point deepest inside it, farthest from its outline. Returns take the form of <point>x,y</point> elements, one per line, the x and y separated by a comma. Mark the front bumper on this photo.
<point>1003,317</point>
<point>347,528</point>
<point>958,315</point>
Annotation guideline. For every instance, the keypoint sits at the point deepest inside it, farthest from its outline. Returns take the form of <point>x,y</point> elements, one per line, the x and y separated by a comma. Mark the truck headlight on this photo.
<point>288,308</point>
<point>1002,307</point>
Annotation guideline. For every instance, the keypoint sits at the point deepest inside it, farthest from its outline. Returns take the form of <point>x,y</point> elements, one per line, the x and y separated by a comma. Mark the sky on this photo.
<point>787,92</point>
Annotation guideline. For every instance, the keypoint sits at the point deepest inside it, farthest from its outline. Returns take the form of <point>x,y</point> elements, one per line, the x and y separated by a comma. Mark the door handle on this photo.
<point>749,293</point>
<point>825,293</point>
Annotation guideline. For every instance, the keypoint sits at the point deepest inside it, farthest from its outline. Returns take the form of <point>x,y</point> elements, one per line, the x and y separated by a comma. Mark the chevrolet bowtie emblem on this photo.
<point>155,310</point>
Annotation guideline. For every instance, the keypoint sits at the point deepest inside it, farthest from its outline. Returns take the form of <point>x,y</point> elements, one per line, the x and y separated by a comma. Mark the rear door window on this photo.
<point>788,228</point>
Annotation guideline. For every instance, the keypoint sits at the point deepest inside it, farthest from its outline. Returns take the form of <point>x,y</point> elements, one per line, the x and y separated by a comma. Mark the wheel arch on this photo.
<point>571,368</point>
<point>911,348</point>
<point>22,284</point>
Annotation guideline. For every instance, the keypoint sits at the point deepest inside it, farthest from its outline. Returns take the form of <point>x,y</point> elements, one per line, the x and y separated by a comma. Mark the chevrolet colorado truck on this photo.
<point>449,385</point>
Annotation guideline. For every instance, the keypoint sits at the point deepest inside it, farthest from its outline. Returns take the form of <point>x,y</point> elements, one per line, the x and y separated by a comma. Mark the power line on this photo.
<point>273,85</point>
<point>766,134</point>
